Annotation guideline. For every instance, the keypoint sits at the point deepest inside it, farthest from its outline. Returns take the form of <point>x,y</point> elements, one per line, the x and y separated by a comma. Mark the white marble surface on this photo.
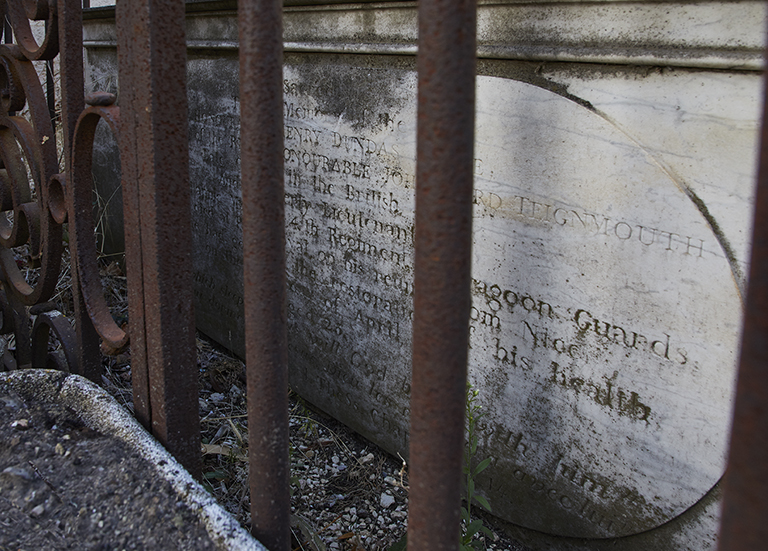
<point>699,127</point>
<point>606,195</point>
<point>605,309</point>
<point>607,317</point>
<point>584,217</point>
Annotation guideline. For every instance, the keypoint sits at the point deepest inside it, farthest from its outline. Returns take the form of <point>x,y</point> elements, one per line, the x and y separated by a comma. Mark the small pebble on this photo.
<point>16,471</point>
<point>178,521</point>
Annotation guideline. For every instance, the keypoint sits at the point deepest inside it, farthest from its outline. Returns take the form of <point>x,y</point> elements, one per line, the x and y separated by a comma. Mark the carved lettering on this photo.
<point>595,224</point>
<point>541,338</point>
<point>625,403</point>
<point>609,331</point>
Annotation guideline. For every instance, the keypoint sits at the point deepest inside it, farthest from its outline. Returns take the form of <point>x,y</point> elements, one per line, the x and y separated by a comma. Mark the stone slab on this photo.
<point>604,307</point>
<point>694,530</point>
<point>598,359</point>
<point>612,210</point>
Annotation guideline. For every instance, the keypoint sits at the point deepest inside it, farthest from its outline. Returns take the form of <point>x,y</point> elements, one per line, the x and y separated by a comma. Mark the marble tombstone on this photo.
<point>614,166</point>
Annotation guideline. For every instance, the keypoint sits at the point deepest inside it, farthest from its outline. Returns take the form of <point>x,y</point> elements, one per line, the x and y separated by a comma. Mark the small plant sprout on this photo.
<point>469,527</point>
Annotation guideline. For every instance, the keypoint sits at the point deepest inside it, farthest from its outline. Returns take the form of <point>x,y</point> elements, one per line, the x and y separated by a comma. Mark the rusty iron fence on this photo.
<point>46,188</point>
<point>745,486</point>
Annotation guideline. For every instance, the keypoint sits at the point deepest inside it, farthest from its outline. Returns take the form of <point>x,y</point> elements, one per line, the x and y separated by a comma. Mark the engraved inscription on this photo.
<point>590,281</point>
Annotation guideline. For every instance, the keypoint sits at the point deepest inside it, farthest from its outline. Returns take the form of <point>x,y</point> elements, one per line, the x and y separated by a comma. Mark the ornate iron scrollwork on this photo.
<point>32,197</point>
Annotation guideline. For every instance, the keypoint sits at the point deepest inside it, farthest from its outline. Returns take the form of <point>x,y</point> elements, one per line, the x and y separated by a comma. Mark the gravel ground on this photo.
<point>347,494</point>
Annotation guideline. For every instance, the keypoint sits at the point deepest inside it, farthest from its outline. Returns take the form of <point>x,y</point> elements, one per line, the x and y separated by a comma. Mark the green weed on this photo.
<point>469,527</point>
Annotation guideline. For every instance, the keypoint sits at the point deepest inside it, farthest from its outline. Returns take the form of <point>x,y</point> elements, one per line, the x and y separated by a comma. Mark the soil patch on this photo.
<point>66,486</point>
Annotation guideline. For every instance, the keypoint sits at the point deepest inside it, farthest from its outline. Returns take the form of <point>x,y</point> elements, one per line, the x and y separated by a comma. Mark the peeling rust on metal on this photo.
<point>72,91</point>
<point>157,213</point>
<point>261,139</point>
<point>156,189</point>
<point>443,239</point>
<point>745,486</point>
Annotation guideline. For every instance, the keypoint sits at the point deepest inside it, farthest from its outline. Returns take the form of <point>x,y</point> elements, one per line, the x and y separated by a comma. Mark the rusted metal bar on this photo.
<point>53,321</point>
<point>82,225</point>
<point>261,160</point>
<point>29,161</point>
<point>22,31</point>
<point>32,141</point>
<point>443,241</point>
<point>156,195</point>
<point>745,487</point>
<point>72,90</point>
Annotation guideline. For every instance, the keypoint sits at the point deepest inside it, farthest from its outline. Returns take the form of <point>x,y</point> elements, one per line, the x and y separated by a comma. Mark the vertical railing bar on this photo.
<point>131,36</point>
<point>261,160</point>
<point>72,103</point>
<point>445,142</point>
<point>745,486</point>
<point>154,158</point>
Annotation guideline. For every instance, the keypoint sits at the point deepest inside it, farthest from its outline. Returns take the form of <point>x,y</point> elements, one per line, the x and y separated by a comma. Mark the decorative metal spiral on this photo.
<point>100,108</point>
<point>32,206</point>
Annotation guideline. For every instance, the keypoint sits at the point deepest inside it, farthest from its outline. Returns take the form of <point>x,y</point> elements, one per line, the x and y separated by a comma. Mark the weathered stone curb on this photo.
<point>102,413</point>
